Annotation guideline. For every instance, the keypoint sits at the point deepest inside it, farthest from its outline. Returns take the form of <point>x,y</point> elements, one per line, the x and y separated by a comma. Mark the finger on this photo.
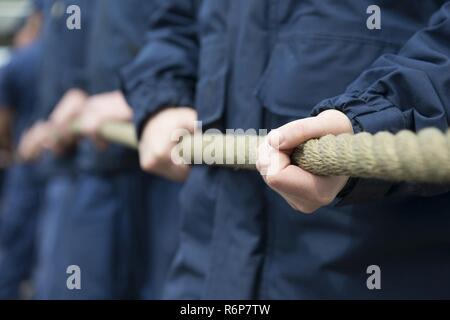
<point>270,160</point>
<point>263,160</point>
<point>49,139</point>
<point>89,126</point>
<point>146,158</point>
<point>297,132</point>
<point>295,182</point>
<point>301,205</point>
<point>188,120</point>
<point>31,152</point>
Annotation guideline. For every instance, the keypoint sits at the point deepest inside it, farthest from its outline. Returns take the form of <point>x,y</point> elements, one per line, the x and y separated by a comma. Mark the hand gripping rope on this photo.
<point>406,156</point>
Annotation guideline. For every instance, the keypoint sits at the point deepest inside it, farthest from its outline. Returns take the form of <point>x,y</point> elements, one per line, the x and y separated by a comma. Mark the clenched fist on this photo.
<point>66,111</point>
<point>100,109</point>
<point>160,137</point>
<point>304,191</point>
<point>35,140</point>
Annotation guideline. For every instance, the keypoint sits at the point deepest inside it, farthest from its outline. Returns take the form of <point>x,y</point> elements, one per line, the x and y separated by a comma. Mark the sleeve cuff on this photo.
<point>367,112</point>
<point>150,97</point>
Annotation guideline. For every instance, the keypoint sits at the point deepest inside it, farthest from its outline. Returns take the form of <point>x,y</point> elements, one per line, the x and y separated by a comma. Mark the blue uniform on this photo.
<point>21,200</point>
<point>110,230</point>
<point>260,64</point>
<point>62,68</point>
<point>121,28</point>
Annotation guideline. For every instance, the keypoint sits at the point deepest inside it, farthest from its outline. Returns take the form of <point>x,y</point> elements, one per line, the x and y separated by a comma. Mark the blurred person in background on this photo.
<point>21,200</point>
<point>62,92</point>
<point>121,228</point>
<point>31,27</point>
<point>160,85</point>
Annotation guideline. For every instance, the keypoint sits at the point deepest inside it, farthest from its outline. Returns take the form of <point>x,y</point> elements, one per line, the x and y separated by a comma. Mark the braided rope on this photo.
<point>406,156</point>
<point>422,157</point>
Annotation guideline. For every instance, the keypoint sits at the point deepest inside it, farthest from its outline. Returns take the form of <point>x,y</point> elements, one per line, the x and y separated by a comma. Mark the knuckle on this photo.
<point>145,166</point>
<point>146,163</point>
<point>308,210</point>
<point>323,198</point>
<point>160,155</point>
<point>326,200</point>
<point>273,180</point>
<point>305,208</point>
<point>258,166</point>
<point>296,207</point>
<point>301,208</point>
<point>300,127</point>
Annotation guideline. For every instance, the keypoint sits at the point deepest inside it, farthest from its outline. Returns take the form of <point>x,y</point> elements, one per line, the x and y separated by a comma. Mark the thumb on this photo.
<point>297,132</point>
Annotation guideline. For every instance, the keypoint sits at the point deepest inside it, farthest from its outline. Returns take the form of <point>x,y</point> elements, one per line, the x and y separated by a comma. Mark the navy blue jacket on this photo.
<point>21,198</point>
<point>118,33</point>
<point>63,65</point>
<point>18,86</point>
<point>65,50</point>
<point>260,64</point>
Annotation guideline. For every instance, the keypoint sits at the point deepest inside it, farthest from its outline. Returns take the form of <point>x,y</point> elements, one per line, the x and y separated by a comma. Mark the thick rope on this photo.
<point>422,157</point>
<point>122,133</point>
<point>407,156</point>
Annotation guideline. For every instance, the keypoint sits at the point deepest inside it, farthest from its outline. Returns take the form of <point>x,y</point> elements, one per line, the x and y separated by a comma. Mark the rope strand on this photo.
<point>423,157</point>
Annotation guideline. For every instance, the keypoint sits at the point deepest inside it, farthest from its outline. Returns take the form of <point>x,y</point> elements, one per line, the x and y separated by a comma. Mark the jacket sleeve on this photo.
<point>408,90</point>
<point>165,71</point>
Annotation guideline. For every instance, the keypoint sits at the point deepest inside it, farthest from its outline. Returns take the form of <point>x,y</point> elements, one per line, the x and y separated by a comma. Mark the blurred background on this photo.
<point>12,15</point>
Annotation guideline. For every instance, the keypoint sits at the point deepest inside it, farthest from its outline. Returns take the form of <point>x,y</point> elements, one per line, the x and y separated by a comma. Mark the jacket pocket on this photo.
<point>211,87</point>
<point>305,69</point>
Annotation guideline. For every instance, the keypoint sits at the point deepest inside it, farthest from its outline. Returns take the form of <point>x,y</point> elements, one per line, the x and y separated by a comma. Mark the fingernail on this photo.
<point>276,138</point>
<point>262,163</point>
